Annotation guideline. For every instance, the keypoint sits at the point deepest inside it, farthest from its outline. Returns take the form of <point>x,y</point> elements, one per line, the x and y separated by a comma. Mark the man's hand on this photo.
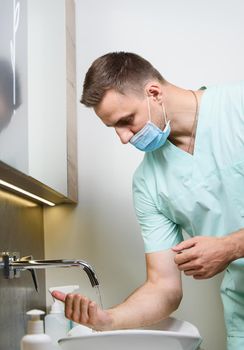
<point>203,257</point>
<point>84,311</point>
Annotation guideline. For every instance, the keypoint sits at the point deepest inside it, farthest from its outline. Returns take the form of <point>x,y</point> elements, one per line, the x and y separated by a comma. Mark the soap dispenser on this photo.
<point>56,324</point>
<point>35,339</point>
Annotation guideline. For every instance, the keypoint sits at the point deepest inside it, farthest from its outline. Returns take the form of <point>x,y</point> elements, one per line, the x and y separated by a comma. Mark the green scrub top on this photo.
<point>201,193</point>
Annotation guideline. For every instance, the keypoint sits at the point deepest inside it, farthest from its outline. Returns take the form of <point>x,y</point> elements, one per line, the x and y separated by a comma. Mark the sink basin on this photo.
<point>174,335</point>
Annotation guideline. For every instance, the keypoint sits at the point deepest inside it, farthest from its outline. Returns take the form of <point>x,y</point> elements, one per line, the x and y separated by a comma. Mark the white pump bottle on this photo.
<point>56,324</point>
<point>35,339</point>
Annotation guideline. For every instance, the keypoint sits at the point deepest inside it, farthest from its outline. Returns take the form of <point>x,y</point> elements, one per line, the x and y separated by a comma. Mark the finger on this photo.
<point>69,305</point>
<point>58,295</point>
<point>84,302</point>
<point>191,273</point>
<point>199,277</point>
<point>184,245</point>
<point>92,312</point>
<point>192,264</point>
<point>185,257</point>
<point>181,259</point>
<point>76,309</point>
<point>187,266</point>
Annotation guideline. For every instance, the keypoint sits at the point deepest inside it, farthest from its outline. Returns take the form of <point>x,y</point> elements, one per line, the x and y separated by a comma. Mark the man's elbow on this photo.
<point>175,297</point>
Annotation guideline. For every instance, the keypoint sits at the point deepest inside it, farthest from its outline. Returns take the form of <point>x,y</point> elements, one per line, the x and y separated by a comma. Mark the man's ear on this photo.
<point>154,89</point>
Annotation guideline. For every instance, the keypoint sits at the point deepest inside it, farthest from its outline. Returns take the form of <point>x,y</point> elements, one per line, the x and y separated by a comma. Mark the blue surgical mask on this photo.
<point>151,137</point>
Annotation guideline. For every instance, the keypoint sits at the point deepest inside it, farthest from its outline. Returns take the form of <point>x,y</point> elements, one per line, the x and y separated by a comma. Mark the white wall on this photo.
<point>192,43</point>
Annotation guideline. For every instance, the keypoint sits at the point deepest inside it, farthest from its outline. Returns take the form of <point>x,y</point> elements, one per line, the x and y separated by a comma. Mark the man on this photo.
<point>191,178</point>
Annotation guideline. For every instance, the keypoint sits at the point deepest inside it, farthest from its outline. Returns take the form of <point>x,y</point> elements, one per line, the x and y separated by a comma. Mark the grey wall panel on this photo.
<point>21,229</point>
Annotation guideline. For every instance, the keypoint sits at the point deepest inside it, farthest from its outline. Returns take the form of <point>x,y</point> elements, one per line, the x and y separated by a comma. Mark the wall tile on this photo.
<point>21,229</point>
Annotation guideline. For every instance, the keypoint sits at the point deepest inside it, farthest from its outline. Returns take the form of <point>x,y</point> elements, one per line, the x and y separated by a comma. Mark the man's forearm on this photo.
<point>155,300</point>
<point>147,305</point>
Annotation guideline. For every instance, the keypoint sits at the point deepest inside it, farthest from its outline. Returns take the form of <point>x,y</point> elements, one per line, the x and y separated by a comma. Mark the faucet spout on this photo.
<point>37,264</point>
<point>27,263</point>
<point>43,264</point>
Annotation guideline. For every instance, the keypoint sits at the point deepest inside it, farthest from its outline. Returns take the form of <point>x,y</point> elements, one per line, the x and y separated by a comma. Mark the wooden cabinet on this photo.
<point>38,137</point>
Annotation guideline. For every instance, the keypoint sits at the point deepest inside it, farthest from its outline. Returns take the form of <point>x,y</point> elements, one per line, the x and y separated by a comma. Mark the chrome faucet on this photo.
<point>12,265</point>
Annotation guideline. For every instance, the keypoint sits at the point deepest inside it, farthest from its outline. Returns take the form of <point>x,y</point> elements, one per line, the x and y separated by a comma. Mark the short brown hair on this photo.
<point>119,71</point>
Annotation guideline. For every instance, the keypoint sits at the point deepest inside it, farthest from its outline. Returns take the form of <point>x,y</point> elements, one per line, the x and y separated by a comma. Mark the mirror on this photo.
<point>38,91</point>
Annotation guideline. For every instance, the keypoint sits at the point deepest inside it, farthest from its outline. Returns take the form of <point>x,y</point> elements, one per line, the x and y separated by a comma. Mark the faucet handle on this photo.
<point>34,278</point>
<point>32,271</point>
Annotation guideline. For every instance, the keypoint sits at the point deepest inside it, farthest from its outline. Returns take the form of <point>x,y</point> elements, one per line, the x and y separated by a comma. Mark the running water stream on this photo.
<point>98,292</point>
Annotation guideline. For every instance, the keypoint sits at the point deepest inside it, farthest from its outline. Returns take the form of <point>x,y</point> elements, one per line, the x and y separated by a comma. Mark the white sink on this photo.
<point>174,335</point>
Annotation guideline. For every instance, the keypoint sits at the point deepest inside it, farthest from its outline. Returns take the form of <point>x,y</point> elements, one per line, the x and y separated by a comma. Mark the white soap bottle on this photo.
<point>56,324</point>
<point>35,339</point>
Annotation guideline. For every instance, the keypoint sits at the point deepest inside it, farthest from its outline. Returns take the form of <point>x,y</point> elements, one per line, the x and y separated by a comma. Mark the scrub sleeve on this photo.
<point>158,231</point>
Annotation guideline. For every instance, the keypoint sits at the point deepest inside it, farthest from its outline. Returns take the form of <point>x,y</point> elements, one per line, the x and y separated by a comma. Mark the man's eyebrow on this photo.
<point>120,121</point>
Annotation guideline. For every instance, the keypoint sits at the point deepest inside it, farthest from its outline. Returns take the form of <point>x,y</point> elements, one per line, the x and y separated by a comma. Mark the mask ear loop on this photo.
<point>164,115</point>
<point>149,109</point>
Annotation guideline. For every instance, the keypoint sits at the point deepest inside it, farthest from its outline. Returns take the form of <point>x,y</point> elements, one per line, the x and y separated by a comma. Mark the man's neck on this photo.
<point>180,105</point>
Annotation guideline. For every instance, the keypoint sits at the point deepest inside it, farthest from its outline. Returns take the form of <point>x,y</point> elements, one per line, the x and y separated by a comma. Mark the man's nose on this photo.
<point>124,134</point>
